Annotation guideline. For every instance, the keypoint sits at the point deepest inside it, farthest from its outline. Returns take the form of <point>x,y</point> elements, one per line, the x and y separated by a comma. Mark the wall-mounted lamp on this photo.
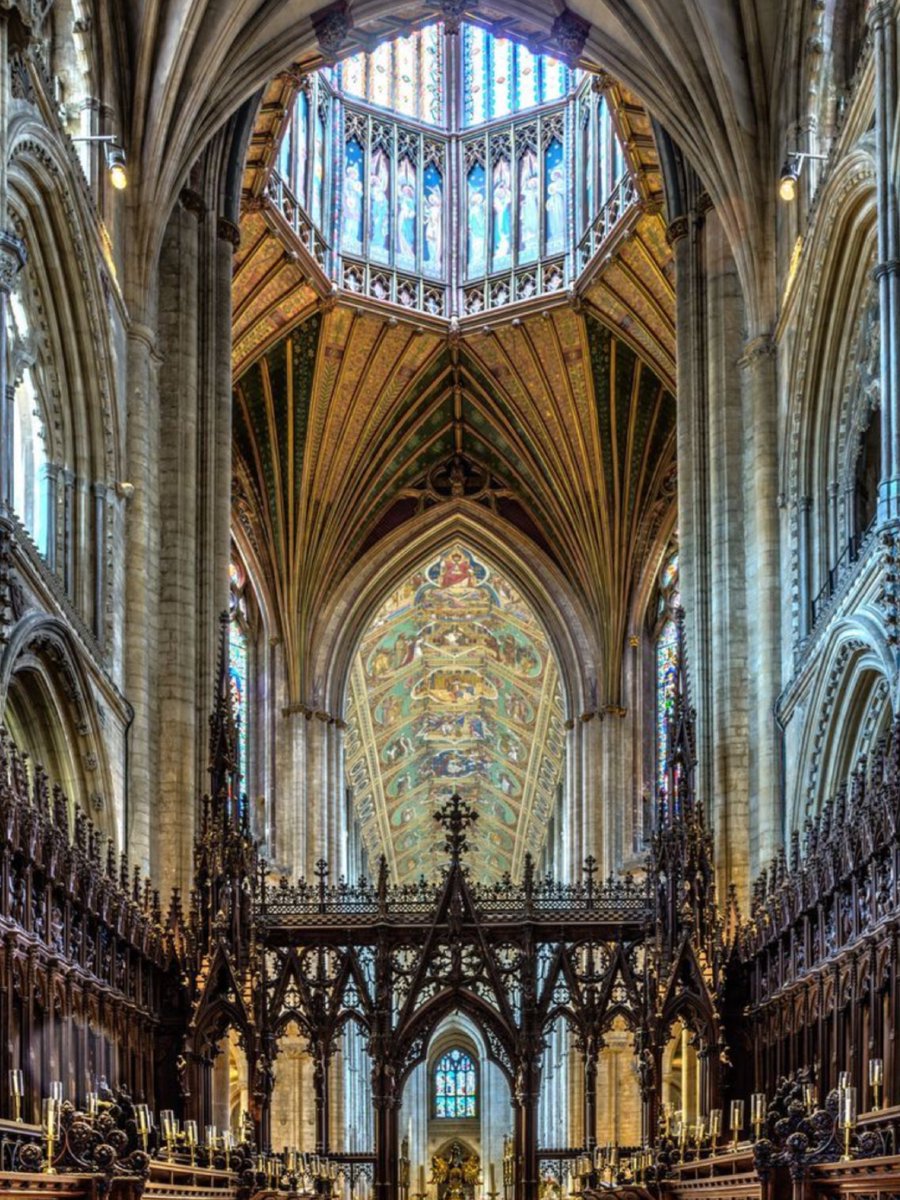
<point>115,158</point>
<point>790,173</point>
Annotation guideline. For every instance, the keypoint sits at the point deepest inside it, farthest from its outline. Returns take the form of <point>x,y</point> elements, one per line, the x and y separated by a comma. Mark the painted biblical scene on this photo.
<point>454,688</point>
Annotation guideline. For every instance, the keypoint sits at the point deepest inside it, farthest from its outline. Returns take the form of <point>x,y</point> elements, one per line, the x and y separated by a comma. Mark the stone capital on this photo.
<point>757,350</point>
<point>890,266</point>
<point>332,26</point>
<point>12,259</point>
<point>227,231</point>
<point>677,230</point>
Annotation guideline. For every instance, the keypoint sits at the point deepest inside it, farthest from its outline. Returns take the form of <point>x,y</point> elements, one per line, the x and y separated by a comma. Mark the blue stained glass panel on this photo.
<point>555,197</point>
<point>433,256</point>
<point>379,207</point>
<point>666,672</point>
<point>476,225</point>
<point>529,208</point>
<point>501,77</point>
<point>302,150</point>
<point>526,78</point>
<point>237,679</point>
<point>502,207</point>
<point>455,1086</point>
<point>407,215</point>
<point>475,73</point>
<point>318,182</point>
<point>352,198</point>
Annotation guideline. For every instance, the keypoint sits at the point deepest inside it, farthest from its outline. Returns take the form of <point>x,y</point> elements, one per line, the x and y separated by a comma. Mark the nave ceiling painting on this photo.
<point>454,689</point>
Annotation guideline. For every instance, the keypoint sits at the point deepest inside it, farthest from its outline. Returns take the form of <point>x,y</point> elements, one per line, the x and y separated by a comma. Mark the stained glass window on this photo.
<point>455,1086</point>
<point>502,77</point>
<point>375,144</point>
<point>403,75</point>
<point>237,666</point>
<point>666,662</point>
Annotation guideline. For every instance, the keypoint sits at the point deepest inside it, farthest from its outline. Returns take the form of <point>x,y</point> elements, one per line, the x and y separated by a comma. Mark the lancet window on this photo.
<point>31,471</point>
<point>666,661</point>
<point>238,655</point>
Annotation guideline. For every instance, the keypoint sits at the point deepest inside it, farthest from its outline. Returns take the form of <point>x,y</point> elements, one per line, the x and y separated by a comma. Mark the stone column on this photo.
<point>180,556</point>
<point>887,272</point>
<point>727,606</point>
<point>686,236</point>
<point>141,596</point>
<point>763,584</point>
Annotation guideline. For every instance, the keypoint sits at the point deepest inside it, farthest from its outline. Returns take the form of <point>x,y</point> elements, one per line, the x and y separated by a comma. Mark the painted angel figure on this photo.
<point>379,205</point>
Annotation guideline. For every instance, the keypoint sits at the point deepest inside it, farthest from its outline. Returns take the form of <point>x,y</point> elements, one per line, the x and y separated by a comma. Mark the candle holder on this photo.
<point>876,1082</point>
<point>847,1119</point>
<point>144,1123</point>
<point>169,1132</point>
<point>736,1122</point>
<point>190,1140</point>
<point>50,1130</point>
<point>715,1127</point>
<point>757,1113</point>
<point>17,1091</point>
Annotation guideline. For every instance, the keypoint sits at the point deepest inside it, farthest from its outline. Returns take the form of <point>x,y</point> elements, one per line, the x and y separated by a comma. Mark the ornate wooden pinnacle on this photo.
<point>456,816</point>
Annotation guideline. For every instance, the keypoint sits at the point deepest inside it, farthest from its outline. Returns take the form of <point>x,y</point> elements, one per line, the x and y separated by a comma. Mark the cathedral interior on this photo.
<point>450,599</point>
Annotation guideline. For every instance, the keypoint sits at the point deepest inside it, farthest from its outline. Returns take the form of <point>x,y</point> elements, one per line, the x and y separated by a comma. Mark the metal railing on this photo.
<point>846,559</point>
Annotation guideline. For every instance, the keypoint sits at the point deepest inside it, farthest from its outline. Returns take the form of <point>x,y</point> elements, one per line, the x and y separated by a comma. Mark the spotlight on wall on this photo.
<point>787,181</point>
<point>790,173</point>
<point>115,164</point>
<point>115,158</point>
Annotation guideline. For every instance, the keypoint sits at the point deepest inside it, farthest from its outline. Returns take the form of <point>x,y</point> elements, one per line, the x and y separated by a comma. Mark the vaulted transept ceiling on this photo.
<point>454,689</point>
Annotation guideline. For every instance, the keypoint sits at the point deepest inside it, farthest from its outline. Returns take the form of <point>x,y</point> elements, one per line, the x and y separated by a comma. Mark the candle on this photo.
<point>493,1182</point>
<point>50,1116</point>
<point>809,1096</point>
<point>843,1081</point>
<point>190,1132</point>
<point>715,1123</point>
<point>421,1180</point>
<point>876,1081</point>
<point>757,1109</point>
<point>17,1090</point>
<point>848,1107</point>
<point>737,1118</point>
<point>56,1092</point>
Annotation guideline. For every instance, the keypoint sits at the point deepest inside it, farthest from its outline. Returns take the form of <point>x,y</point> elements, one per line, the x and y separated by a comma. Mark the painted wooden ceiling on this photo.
<point>353,423</point>
<point>454,688</point>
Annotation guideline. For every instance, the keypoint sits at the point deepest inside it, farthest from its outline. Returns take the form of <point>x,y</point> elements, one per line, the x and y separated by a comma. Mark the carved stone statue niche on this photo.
<point>455,1171</point>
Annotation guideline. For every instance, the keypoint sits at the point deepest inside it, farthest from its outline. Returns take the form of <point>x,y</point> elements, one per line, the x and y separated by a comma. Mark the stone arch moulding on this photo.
<point>46,646</point>
<point>356,600</point>
<point>40,173</point>
<point>857,668</point>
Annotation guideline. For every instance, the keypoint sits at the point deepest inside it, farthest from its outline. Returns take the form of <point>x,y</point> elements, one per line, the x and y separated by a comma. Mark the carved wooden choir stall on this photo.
<point>113,1016</point>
